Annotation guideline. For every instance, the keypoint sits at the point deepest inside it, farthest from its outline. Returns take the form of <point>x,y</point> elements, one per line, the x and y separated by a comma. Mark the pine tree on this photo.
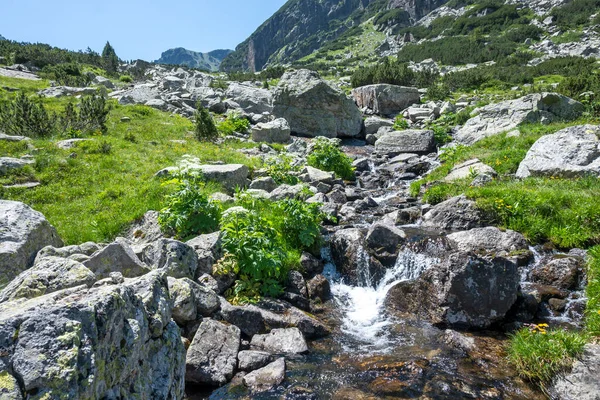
<point>205,126</point>
<point>110,61</point>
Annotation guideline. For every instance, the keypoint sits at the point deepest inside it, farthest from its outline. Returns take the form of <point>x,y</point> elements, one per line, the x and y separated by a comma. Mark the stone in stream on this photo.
<point>561,272</point>
<point>281,341</point>
<point>407,141</point>
<point>23,232</point>
<point>249,360</point>
<point>457,213</point>
<point>267,377</point>
<point>489,240</point>
<point>212,356</point>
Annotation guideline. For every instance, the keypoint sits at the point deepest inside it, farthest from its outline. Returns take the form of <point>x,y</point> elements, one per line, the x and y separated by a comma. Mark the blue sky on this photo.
<point>136,28</point>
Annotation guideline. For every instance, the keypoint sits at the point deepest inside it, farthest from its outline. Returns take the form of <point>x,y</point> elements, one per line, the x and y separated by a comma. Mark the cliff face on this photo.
<point>302,26</point>
<point>180,56</point>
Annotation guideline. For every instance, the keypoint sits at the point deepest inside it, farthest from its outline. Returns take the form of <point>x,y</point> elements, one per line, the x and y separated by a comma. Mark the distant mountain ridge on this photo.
<point>210,61</point>
<point>2,37</point>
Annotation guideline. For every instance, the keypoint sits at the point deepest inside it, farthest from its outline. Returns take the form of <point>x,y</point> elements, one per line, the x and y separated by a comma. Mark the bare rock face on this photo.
<point>407,141</point>
<point>23,232</point>
<point>582,382</point>
<point>119,257</point>
<point>384,99</point>
<point>313,108</point>
<point>113,341</point>
<point>489,240</point>
<point>212,356</point>
<point>457,213</point>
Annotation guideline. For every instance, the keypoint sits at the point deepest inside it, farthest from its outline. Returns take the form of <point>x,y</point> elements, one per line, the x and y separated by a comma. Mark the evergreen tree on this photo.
<point>205,126</point>
<point>110,61</point>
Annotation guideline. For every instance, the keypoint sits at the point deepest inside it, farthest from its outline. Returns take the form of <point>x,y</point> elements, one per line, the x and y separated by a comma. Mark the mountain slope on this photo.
<point>180,56</point>
<point>302,26</point>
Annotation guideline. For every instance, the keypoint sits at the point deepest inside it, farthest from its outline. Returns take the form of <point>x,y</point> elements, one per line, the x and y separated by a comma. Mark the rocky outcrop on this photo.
<point>210,61</point>
<point>504,116</point>
<point>251,100</point>
<point>408,141</point>
<point>277,131</point>
<point>11,164</point>
<point>113,341</point>
<point>571,152</point>
<point>117,256</point>
<point>489,240</point>
<point>314,108</point>
<point>384,99</point>
<point>23,232</point>
<point>561,272</point>
<point>582,382</point>
<point>177,259</point>
<point>455,214</point>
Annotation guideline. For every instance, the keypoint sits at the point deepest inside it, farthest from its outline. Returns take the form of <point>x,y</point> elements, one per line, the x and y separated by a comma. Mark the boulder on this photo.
<point>407,141</point>
<point>470,169</point>
<point>561,272</point>
<point>457,213</point>
<point>49,275</point>
<point>184,302</point>
<point>314,108</point>
<point>114,341</point>
<point>251,100</point>
<point>208,249</point>
<point>231,176</point>
<point>507,115</point>
<point>146,230</point>
<point>212,356</point>
<point>281,341</point>
<point>267,377</point>
<point>384,99</point>
<point>102,81</point>
<point>489,240</point>
<point>582,382</point>
<point>87,249</point>
<point>287,192</point>
<point>10,164</point>
<point>10,138</point>
<point>266,183</point>
<point>572,152</point>
<point>249,360</point>
<point>384,236</point>
<point>319,288</point>
<point>373,124</point>
<point>314,176</point>
<point>23,232</point>
<point>116,257</point>
<point>463,291</point>
<point>277,131</point>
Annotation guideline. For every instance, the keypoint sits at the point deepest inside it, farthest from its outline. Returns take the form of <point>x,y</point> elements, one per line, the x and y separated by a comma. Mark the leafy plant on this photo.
<point>300,222</point>
<point>400,123</point>
<point>126,78</point>
<point>205,128</point>
<point>188,210</point>
<point>282,170</point>
<point>327,156</point>
<point>91,116</point>
<point>234,122</point>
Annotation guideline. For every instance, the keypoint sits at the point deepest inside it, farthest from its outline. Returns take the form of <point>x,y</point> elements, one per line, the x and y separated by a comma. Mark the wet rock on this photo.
<point>314,108</point>
<point>384,99</point>
<point>582,382</point>
<point>490,240</point>
<point>281,341</point>
<point>384,236</point>
<point>458,341</point>
<point>95,343</point>
<point>23,232</point>
<point>470,169</point>
<point>277,131</point>
<point>571,152</point>
<point>117,256</point>
<point>212,356</point>
<point>407,141</point>
<point>457,213</point>
<point>507,115</point>
<point>462,291</point>
<point>249,360</point>
<point>296,284</point>
<point>208,250</point>
<point>319,288</point>
<point>178,259</point>
<point>310,264</point>
<point>49,275</point>
<point>562,272</point>
<point>267,377</point>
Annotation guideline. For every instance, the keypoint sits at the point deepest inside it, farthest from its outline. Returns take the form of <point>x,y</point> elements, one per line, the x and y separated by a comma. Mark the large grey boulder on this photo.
<point>114,341</point>
<point>139,94</point>
<point>470,169</point>
<point>23,232</point>
<point>10,164</point>
<point>407,141</point>
<point>384,99</point>
<point>314,108</point>
<point>212,356</point>
<point>455,214</point>
<point>267,377</point>
<point>177,259</point>
<point>277,131</point>
<point>231,176</point>
<point>582,382</point>
<point>249,360</point>
<point>507,115</point>
<point>116,257</point>
<point>489,240</point>
<point>49,275</point>
<point>252,100</point>
<point>462,291</point>
<point>208,249</point>
<point>373,124</point>
<point>571,152</point>
<point>281,341</point>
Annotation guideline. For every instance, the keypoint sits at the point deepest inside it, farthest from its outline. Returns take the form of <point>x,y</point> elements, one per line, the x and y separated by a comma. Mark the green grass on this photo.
<point>567,37</point>
<point>90,195</point>
<point>593,292</point>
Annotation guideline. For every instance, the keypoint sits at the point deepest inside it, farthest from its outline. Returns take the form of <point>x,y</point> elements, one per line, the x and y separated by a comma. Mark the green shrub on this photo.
<point>126,78</point>
<point>392,72</point>
<point>188,210</point>
<point>593,292</point>
<point>233,123</point>
<point>218,84</point>
<point>68,74</point>
<point>327,156</point>
<point>205,128</point>
<point>90,116</point>
<point>25,117</point>
<point>575,13</point>
<point>400,123</point>
<point>282,170</point>
<point>438,91</point>
<point>300,223</point>
<point>539,354</point>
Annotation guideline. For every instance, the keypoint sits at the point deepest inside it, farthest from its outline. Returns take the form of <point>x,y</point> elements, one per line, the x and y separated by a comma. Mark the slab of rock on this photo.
<point>9,138</point>
<point>489,240</point>
<point>287,192</point>
<point>373,124</point>
<point>116,257</point>
<point>146,230</point>
<point>277,131</point>
<point>314,176</point>
<point>267,377</point>
<point>231,176</point>
<point>457,213</point>
<point>23,232</point>
<point>463,291</point>
<point>314,108</point>
<point>212,356</point>
<point>184,302</point>
<point>408,141</point>
<point>281,341</point>
<point>9,164</point>
<point>507,115</point>
<point>561,272</point>
<point>87,249</point>
<point>97,343</point>
<point>582,382</point>
<point>251,100</point>
<point>208,249</point>
<point>266,183</point>
<point>176,258</point>
<point>571,152</point>
<point>70,143</point>
<point>249,360</point>
<point>470,169</point>
<point>384,99</point>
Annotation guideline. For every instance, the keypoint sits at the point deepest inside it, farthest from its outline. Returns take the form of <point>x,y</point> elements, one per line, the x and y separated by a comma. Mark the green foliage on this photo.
<point>575,13</point>
<point>90,117</point>
<point>487,17</point>
<point>282,170</point>
<point>126,78</point>
<point>26,117</point>
<point>438,91</point>
<point>42,55</point>
<point>392,72</point>
<point>539,355</point>
<point>110,61</point>
<point>327,156</point>
<point>219,84</point>
<point>234,122</point>
<point>393,16</point>
<point>520,33</point>
<point>188,210</point>
<point>400,123</point>
<point>593,292</point>
<point>264,75</point>
<point>68,74</point>
<point>205,128</point>
<point>300,223</point>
